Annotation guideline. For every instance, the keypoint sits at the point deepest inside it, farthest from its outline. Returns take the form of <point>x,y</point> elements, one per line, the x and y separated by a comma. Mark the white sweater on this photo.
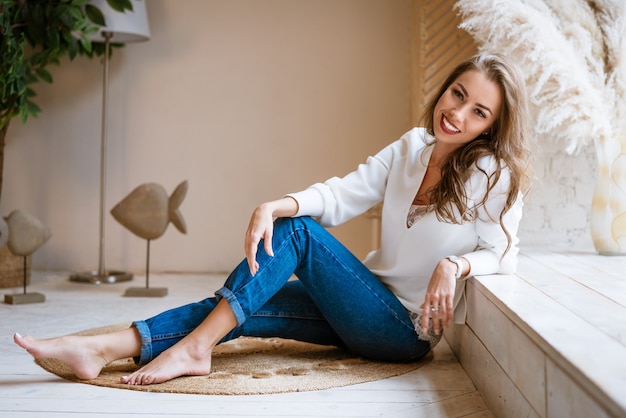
<point>407,256</point>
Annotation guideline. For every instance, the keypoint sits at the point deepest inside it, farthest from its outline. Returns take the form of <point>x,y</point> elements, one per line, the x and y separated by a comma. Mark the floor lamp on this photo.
<point>127,27</point>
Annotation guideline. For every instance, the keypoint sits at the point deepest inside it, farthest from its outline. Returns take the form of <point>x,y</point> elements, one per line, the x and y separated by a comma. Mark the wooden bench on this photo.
<point>549,341</point>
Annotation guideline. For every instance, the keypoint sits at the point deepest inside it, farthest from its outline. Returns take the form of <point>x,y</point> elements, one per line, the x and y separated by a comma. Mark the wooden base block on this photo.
<point>151,292</point>
<point>22,298</point>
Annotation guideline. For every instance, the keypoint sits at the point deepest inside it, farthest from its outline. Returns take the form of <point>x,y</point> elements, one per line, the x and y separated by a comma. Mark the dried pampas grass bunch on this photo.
<point>573,54</point>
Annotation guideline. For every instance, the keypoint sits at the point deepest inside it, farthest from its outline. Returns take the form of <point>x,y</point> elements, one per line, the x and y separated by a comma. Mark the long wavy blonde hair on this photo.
<point>506,140</point>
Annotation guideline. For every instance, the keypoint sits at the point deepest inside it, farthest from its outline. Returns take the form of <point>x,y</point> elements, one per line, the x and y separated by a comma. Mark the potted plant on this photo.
<point>35,34</point>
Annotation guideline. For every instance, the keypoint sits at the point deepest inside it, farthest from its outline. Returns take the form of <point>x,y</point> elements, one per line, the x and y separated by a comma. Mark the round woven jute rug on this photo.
<point>253,366</point>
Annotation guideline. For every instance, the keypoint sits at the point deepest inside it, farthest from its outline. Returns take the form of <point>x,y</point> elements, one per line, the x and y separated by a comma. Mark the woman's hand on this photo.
<point>439,301</point>
<point>261,227</point>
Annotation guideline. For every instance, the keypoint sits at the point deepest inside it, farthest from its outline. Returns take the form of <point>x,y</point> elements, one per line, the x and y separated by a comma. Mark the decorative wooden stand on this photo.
<point>18,299</point>
<point>146,291</point>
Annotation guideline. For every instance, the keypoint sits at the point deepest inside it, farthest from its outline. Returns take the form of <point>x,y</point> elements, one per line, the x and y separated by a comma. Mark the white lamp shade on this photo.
<point>130,26</point>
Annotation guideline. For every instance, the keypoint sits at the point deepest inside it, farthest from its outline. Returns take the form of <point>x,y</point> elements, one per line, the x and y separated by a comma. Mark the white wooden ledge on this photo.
<point>549,341</point>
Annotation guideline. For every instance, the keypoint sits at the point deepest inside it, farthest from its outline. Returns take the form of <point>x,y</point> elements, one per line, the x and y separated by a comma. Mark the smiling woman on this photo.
<point>393,305</point>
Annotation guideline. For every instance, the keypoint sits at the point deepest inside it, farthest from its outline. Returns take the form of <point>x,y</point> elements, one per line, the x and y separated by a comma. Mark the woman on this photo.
<point>452,204</point>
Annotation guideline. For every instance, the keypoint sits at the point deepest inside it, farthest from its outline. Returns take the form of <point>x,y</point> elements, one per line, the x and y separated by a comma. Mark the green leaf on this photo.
<point>86,44</point>
<point>95,15</point>
<point>98,48</point>
<point>66,35</point>
<point>90,30</point>
<point>53,39</point>
<point>23,115</point>
<point>20,87</point>
<point>44,75</point>
<point>77,17</point>
<point>120,5</point>
<point>29,79</point>
<point>72,48</point>
<point>33,109</point>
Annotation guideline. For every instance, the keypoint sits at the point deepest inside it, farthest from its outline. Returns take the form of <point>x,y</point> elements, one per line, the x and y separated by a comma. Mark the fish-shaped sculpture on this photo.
<point>147,210</point>
<point>26,233</point>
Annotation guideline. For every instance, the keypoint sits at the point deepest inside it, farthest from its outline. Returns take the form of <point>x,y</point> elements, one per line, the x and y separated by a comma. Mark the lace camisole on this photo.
<point>416,212</point>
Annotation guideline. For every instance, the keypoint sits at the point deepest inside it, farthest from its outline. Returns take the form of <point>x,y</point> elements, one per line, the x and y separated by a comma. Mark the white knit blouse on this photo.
<point>408,254</point>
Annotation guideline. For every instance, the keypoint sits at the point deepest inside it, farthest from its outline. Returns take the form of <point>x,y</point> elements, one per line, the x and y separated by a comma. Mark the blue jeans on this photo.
<point>335,301</point>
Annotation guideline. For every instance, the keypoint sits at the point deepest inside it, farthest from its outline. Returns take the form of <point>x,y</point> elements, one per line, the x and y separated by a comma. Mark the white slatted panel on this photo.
<point>438,46</point>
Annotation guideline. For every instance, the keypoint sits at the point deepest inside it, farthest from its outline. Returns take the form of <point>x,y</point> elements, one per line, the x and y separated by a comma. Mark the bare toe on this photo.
<point>177,361</point>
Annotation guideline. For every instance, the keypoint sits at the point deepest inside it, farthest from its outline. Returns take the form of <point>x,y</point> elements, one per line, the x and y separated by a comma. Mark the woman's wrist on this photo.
<point>460,264</point>
<point>284,207</point>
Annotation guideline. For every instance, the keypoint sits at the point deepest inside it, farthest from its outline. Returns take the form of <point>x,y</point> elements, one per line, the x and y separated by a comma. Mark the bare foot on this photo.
<point>189,357</point>
<point>79,353</point>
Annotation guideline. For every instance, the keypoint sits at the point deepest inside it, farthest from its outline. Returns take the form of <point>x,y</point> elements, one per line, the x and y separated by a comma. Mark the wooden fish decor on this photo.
<point>147,210</point>
<point>26,233</point>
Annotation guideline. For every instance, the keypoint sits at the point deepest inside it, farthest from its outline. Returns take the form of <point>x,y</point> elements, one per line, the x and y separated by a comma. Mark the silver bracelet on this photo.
<point>459,266</point>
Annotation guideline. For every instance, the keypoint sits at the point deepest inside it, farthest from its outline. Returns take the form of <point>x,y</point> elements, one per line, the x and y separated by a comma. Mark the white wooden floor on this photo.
<point>439,389</point>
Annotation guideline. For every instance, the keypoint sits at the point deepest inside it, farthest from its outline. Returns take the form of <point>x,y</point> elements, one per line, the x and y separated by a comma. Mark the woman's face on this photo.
<point>466,109</point>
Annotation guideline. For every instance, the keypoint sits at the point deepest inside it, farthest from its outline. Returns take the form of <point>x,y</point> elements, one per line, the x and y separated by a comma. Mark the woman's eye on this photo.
<point>458,94</point>
<point>480,113</point>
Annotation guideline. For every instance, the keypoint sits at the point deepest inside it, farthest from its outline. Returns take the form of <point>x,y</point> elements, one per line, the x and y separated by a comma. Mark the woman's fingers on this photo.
<point>436,315</point>
<point>446,311</point>
<point>250,250</point>
<point>258,229</point>
<point>449,311</point>
<point>251,245</point>
<point>267,242</point>
<point>440,309</point>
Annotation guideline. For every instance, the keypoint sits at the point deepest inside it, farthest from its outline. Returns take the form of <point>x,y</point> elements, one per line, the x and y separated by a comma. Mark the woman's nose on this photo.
<point>456,115</point>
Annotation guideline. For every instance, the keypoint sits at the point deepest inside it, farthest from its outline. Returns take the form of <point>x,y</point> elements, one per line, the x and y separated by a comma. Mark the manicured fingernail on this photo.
<point>18,335</point>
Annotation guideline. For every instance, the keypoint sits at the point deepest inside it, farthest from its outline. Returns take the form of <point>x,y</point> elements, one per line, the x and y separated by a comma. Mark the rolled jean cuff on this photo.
<point>230,297</point>
<point>145,355</point>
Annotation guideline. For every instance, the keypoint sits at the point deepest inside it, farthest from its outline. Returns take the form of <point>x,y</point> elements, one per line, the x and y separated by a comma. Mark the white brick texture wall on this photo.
<point>556,211</point>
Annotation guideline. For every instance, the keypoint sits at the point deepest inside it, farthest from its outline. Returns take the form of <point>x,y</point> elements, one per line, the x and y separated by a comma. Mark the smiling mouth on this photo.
<point>448,127</point>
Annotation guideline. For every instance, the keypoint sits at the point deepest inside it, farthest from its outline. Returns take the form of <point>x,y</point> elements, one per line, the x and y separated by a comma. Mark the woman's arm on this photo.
<point>333,202</point>
<point>338,200</point>
<point>489,257</point>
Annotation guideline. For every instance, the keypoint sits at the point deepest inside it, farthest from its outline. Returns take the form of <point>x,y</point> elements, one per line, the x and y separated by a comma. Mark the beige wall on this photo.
<point>245,99</point>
